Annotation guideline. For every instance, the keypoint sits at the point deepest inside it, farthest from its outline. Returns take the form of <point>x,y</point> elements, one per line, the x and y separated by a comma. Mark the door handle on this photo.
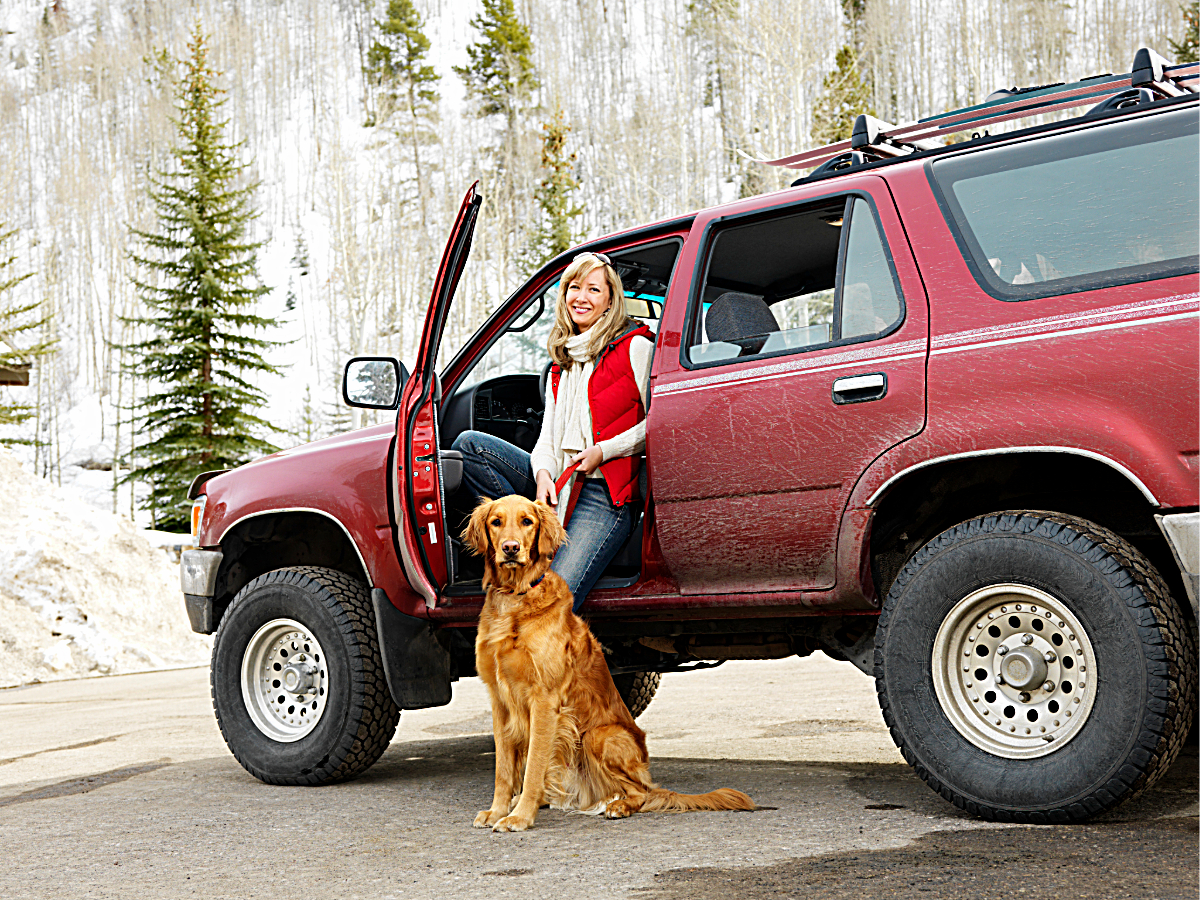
<point>860,388</point>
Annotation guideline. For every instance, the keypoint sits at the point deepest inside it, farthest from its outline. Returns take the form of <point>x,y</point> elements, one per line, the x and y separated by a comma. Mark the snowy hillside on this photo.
<point>81,591</point>
<point>658,95</point>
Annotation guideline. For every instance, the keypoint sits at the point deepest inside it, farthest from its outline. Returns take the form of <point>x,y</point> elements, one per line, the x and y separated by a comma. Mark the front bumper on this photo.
<point>1182,531</point>
<point>198,580</point>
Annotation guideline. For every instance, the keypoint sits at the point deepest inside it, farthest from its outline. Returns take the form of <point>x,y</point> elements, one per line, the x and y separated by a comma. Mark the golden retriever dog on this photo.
<point>563,734</point>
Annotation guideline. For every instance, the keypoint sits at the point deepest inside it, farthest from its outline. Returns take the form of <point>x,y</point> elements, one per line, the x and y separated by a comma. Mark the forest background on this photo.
<point>355,202</point>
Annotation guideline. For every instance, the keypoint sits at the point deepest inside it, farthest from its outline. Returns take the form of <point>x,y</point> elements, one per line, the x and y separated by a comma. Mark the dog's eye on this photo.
<point>496,522</point>
<point>527,521</point>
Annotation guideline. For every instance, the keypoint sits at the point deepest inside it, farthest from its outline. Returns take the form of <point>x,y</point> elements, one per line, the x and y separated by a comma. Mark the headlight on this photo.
<point>198,517</point>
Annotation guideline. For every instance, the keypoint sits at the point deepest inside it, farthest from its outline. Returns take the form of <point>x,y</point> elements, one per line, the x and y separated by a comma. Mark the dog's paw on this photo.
<point>486,819</point>
<point>618,809</point>
<point>512,823</point>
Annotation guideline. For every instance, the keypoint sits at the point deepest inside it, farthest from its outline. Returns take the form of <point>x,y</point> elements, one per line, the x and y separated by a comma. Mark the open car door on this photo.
<point>418,495</point>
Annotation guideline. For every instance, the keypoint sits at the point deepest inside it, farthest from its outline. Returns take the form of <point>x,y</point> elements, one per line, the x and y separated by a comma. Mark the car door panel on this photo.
<point>752,461</point>
<point>419,496</point>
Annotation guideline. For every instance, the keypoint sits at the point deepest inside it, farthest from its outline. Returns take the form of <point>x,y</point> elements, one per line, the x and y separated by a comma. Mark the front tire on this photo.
<point>297,679</point>
<point>1033,667</point>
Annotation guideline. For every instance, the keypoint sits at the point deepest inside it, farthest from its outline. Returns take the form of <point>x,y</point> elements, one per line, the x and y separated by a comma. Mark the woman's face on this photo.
<point>588,298</point>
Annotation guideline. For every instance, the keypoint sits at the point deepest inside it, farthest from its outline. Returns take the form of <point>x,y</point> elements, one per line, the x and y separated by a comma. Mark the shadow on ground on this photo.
<point>1144,849</point>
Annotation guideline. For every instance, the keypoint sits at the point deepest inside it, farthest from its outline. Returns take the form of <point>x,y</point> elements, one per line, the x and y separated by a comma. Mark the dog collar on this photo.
<point>537,581</point>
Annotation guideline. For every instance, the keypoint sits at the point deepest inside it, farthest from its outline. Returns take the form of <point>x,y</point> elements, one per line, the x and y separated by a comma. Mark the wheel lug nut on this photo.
<point>1048,686</point>
<point>999,678</point>
<point>1049,656</point>
<point>1001,650</point>
<point>1027,639</point>
<point>1024,697</point>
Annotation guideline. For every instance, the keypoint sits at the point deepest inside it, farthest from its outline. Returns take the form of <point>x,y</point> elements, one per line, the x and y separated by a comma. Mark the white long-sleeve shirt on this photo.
<point>549,452</point>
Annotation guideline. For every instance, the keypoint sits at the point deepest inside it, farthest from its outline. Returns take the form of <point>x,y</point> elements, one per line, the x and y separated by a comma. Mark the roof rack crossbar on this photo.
<point>879,140</point>
<point>960,120</point>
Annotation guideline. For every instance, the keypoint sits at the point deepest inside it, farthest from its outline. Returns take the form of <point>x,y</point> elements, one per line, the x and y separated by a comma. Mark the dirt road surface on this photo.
<point>122,787</point>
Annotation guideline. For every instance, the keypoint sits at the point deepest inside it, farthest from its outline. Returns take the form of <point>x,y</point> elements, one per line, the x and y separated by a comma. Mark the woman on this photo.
<point>595,416</point>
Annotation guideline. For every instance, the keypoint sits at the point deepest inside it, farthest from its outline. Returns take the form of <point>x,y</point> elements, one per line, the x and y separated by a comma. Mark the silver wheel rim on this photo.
<point>284,684</point>
<point>1014,671</point>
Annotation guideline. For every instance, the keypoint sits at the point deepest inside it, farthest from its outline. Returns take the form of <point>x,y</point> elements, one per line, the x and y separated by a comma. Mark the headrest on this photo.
<point>733,316</point>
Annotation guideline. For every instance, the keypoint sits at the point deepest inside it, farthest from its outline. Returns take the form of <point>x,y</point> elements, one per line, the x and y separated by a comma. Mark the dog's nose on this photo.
<point>510,548</point>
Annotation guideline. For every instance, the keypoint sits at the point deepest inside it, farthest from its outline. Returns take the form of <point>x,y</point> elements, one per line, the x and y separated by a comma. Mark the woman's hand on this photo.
<point>545,488</point>
<point>589,460</point>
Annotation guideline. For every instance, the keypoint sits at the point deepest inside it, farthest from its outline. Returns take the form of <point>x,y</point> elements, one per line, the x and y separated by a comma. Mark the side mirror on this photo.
<point>373,382</point>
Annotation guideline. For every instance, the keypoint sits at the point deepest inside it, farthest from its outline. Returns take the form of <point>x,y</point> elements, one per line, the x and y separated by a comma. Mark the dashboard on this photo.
<point>509,407</point>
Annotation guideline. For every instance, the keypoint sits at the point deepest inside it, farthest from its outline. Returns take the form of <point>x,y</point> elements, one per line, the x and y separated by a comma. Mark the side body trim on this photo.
<point>1075,451</point>
<point>306,509</point>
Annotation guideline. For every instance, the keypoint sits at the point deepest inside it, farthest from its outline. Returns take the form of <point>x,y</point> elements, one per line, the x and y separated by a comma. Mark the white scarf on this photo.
<point>571,411</point>
<point>572,400</point>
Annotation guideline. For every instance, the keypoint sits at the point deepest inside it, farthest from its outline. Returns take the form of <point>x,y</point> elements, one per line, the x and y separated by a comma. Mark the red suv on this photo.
<point>933,410</point>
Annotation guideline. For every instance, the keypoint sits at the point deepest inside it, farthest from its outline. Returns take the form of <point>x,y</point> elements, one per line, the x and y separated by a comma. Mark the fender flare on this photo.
<point>998,451</point>
<point>306,509</point>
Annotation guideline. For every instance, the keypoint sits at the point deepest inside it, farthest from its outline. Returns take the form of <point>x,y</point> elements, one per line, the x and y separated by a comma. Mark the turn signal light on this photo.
<point>198,517</point>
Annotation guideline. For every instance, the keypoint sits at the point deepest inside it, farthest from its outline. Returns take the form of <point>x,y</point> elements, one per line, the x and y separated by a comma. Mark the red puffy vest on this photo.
<point>616,406</point>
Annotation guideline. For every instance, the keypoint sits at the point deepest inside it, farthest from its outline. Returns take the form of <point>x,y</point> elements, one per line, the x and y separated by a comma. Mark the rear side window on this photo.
<point>1113,204</point>
<point>810,277</point>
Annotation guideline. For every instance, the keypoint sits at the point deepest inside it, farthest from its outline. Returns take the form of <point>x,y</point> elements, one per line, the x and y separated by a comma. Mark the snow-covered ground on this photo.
<point>82,591</point>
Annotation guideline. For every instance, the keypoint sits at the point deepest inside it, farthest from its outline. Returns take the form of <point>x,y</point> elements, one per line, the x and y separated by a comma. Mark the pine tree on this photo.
<point>309,425</point>
<point>200,287</point>
<point>1188,49</point>
<point>500,79</point>
<point>17,323</point>
<point>407,84</point>
<point>500,76</point>
<point>853,11</point>
<point>554,195</point>
<point>845,94</point>
<point>844,97</point>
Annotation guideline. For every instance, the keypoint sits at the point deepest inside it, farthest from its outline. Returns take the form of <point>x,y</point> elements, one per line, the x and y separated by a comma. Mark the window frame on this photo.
<point>712,231</point>
<point>475,348</point>
<point>971,251</point>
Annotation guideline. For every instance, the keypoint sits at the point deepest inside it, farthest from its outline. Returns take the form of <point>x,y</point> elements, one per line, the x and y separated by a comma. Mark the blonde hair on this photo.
<point>611,325</point>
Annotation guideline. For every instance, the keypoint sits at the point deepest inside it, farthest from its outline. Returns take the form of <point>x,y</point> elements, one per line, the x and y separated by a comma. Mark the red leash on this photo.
<point>576,490</point>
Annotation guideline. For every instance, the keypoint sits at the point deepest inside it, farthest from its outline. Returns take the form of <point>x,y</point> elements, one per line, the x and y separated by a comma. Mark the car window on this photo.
<point>645,274</point>
<point>810,277</point>
<point>522,348</point>
<point>870,301</point>
<point>1112,204</point>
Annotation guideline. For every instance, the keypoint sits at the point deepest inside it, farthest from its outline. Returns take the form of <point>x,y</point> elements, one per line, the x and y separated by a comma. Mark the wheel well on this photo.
<point>932,499</point>
<point>281,540</point>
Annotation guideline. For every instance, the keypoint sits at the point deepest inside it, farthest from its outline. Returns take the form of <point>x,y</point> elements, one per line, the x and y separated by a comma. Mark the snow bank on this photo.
<point>82,592</point>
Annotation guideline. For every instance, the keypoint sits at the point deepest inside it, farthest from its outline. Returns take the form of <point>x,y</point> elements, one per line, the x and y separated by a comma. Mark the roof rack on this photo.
<point>1152,78</point>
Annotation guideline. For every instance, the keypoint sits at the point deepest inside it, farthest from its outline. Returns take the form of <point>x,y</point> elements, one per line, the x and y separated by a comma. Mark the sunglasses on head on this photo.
<point>592,253</point>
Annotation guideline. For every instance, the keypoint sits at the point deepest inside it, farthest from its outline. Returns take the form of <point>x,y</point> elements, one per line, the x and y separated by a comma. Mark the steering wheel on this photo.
<point>544,381</point>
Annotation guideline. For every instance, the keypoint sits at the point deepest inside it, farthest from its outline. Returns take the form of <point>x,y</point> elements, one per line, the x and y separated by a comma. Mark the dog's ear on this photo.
<point>551,534</point>
<point>475,535</point>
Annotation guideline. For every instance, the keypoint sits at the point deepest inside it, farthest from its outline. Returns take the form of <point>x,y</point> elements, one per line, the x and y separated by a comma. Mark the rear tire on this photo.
<point>1097,668</point>
<point>637,689</point>
<point>297,679</point>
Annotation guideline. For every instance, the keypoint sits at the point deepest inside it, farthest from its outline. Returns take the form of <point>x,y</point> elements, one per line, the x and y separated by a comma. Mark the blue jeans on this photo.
<point>493,468</point>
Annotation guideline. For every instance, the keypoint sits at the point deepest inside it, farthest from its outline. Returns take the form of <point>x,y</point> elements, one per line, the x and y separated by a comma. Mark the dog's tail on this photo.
<point>722,798</point>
